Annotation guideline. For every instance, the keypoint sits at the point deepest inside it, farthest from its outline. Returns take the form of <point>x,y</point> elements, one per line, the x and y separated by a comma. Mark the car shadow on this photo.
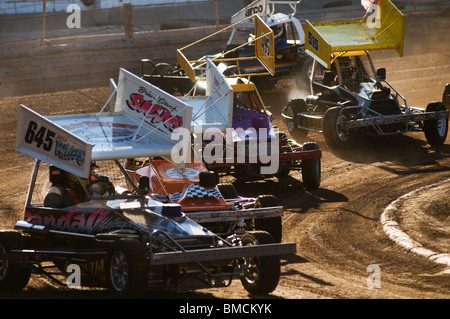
<point>401,153</point>
<point>289,192</point>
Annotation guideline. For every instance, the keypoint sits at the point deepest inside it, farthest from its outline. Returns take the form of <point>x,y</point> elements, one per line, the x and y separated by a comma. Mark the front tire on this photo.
<point>436,130</point>
<point>127,268</point>
<point>263,273</point>
<point>13,276</point>
<point>294,107</point>
<point>334,135</point>
<point>311,168</point>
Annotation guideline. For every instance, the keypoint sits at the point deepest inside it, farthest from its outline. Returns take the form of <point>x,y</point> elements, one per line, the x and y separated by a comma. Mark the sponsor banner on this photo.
<point>153,109</point>
<point>258,7</point>
<point>316,46</point>
<point>264,46</point>
<point>42,139</point>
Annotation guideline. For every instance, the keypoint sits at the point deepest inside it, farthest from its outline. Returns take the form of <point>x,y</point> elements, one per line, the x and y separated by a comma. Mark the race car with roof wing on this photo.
<point>351,97</point>
<point>241,139</point>
<point>289,54</point>
<point>289,41</point>
<point>120,238</point>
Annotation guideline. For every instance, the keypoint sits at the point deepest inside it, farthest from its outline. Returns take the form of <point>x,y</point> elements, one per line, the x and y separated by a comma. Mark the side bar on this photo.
<point>225,253</point>
<point>224,216</point>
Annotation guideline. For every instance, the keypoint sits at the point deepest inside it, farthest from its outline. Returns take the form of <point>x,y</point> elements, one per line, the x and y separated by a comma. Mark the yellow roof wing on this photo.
<point>386,32</point>
<point>264,50</point>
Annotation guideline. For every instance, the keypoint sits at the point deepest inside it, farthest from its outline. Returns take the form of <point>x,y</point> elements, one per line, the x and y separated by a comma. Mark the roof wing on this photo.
<point>139,125</point>
<point>263,8</point>
<point>42,139</point>
<point>215,109</point>
<point>324,41</point>
<point>264,50</point>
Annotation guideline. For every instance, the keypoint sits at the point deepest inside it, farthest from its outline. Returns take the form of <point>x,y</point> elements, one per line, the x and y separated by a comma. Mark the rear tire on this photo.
<point>227,190</point>
<point>207,179</point>
<point>263,273</point>
<point>436,130</point>
<point>272,225</point>
<point>13,276</point>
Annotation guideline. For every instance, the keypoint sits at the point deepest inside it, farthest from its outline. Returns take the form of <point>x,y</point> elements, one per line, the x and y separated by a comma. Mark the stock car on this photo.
<point>121,238</point>
<point>349,96</point>
<point>217,206</point>
<point>249,145</point>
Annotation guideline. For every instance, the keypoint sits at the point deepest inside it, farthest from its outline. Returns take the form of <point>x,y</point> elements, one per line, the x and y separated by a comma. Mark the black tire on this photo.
<point>436,130</point>
<point>311,168</point>
<point>263,273</point>
<point>334,135</point>
<point>207,179</point>
<point>294,107</point>
<point>272,225</point>
<point>127,268</point>
<point>13,276</point>
<point>227,190</point>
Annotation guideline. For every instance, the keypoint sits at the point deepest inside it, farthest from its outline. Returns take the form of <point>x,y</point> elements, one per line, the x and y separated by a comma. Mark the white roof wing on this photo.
<point>140,124</point>
<point>215,109</point>
<point>40,138</point>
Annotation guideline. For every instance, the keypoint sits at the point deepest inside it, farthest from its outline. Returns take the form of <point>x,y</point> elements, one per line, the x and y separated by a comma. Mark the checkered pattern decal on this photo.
<point>195,191</point>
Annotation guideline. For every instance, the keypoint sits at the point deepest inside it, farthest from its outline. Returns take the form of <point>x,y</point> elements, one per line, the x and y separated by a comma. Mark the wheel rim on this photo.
<point>119,270</point>
<point>3,264</point>
<point>290,123</point>
<point>442,126</point>
<point>342,135</point>
<point>251,274</point>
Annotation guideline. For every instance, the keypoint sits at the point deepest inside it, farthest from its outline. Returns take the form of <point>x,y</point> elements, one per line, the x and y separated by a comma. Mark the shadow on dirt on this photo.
<point>290,192</point>
<point>401,150</point>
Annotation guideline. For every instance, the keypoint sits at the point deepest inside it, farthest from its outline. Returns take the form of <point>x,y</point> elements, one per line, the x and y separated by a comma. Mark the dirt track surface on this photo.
<point>337,227</point>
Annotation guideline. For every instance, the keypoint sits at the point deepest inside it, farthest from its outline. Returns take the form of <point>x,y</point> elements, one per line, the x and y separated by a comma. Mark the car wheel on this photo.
<point>13,276</point>
<point>436,130</point>
<point>294,107</point>
<point>272,225</point>
<point>334,135</point>
<point>127,268</point>
<point>263,273</point>
<point>311,168</point>
<point>207,179</point>
<point>227,190</point>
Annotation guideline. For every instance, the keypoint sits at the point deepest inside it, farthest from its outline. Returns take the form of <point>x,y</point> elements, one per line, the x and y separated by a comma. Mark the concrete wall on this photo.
<point>36,6</point>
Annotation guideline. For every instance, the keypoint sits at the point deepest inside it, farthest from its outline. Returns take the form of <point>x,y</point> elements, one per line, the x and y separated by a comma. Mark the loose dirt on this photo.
<point>337,227</point>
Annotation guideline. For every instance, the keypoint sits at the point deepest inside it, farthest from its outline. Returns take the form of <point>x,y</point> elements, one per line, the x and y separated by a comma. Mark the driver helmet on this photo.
<point>277,30</point>
<point>101,187</point>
